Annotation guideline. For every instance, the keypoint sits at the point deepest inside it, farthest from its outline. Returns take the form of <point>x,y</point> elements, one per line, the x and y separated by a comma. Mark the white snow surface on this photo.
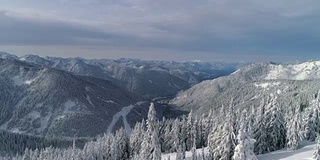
<point>188,155</point>
<point>305,152</point>
<point>267,84</point>
<point>109,101</point>
<point>28,81</point>
<point>303,71</point>
<point>124,112</point>
<point>89,100</point>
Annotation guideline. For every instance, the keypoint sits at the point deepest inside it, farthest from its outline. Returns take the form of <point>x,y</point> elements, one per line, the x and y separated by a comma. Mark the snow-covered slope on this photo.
<point>40,100</point>
<point>5,55</point>
<point>304,152</point>
<point>249,85</point>
<point>200,154</point>
<point>34,59</point>
<point>303,71</point>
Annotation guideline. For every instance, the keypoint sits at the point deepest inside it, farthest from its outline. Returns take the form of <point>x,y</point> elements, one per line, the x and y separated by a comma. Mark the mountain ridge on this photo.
<point>250,84</point>
<point>49,101</point>
<point>139,76</point>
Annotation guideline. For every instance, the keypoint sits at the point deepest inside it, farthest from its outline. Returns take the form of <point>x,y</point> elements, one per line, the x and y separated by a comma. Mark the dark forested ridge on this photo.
<point>14,143</point>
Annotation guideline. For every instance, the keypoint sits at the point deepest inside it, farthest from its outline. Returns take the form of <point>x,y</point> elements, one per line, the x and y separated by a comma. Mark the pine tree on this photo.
<point>309,132</point>
<point>312,124</point>
<point>157,148</point>
<point>206,126</point>
<point>150,146</point>
<point>167,144</point>
<point>194,153</point>
<point>293,131</point>
<point>251,120</point>
<point>260,132</point>
<point>184,136</point>
<point>191,131</point>
<point>316,153</point>
<point>179,155</point>
<point>214,138</point>
<point>176,134</point>
<point>226,146</point>
<point>275,126</point>
<point>121,144</point>
<point>136,138</point>
<point>244,149</point>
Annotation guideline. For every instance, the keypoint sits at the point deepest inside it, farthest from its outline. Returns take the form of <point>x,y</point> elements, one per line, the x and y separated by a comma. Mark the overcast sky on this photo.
<point>208,30</point>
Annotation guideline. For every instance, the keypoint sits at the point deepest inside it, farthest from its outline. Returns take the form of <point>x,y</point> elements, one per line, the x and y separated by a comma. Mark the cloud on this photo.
<point>32,32</point>
<point>227,27</point>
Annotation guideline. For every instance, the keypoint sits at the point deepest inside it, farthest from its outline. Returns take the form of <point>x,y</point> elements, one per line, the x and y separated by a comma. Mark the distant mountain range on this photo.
<point>147,79</point>
<point>74,96</point>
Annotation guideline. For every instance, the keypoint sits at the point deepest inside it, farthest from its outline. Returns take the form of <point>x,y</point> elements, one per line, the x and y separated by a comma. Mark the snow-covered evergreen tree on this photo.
<point>214,141</point>
<point>150,146</point>
<point>193,153</point>
<point>157,148</point>
<point>310,125</point>
<point>191,131</point>
<point>245,146</point>
<point>179,155</point>
<point>222,144</point>
<point>260,131</point>
<point>293,131</point>
<point>316,153</point>
<point>120,145</point>
<point>176,134</point>
<point>275,126</point>
<point>136,138</point>
<point>312,121</point>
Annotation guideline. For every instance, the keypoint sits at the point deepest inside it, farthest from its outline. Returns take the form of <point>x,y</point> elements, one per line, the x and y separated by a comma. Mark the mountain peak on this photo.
<point>304,71</point>
<point>5,55</point>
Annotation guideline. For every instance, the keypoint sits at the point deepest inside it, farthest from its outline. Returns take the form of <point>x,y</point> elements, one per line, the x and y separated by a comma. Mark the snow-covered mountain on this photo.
<point>148,79</point>
<point>303,71</point>
<point>5,55</point>
<point>40,100</point>
<point>249,85</point>
<point>34,59</point>
<point>67,96</point>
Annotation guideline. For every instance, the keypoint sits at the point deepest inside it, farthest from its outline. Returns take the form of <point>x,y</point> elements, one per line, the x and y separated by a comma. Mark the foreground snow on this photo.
<point>304,152</point>
<point>188,155</point>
